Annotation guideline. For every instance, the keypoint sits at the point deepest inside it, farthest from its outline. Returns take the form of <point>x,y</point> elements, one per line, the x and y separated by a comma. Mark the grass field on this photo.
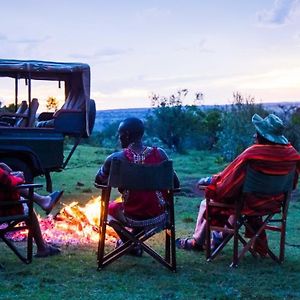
<point>73,274</point>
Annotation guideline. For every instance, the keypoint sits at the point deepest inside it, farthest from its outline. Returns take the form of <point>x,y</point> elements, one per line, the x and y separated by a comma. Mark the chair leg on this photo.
<point>283,228</point>
<point>282,241</point>
<point>234,263</point>
<point>29,245</point>
<point>171,238</point>
<point>167,245</point>
<point>173,251</point>
<point>208,232</point>
<point>105,195</point>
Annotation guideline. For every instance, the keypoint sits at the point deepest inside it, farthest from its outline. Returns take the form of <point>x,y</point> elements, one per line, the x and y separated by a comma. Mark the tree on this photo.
<point>8,108</point>
<point>237,129</point>
<point>52,104</point>
<point>290,114</point>
<point>171,121</point>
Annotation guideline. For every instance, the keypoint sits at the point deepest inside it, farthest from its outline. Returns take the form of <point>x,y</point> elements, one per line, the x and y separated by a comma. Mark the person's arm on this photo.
<point>5,167</point>
<point>204,182</point>
<point>103,172</point>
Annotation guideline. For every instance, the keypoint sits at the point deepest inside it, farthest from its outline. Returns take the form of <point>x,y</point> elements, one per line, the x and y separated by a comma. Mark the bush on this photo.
<point>237,131</point>
<point>172,122</point>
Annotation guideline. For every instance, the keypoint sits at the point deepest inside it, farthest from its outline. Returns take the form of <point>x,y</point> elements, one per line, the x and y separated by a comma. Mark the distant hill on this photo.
<point>104,117</point>
<point>116,115</point>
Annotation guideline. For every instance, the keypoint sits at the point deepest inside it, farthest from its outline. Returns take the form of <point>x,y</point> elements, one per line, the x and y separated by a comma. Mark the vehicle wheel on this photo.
<point>19,165</point>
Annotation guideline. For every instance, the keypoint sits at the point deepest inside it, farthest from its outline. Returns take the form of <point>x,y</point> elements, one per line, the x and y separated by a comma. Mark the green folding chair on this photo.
<point>130,176</point>
<point>255,183</point>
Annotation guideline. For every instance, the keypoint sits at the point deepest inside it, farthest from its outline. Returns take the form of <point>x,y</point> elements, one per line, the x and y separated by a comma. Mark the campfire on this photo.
<point>74,224</point>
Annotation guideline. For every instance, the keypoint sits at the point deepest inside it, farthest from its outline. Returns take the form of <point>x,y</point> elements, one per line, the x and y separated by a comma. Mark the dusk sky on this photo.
<point>136,48</point>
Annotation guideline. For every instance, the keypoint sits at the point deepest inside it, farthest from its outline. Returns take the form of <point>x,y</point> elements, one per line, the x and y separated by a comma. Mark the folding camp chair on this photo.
<point>130,176</point>
<point>19,222</point>
<point>260,184</point>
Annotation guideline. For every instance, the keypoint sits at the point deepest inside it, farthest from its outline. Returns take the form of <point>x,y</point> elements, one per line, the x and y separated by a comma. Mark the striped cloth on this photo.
<point>270,159</point>
<point>8,192</point>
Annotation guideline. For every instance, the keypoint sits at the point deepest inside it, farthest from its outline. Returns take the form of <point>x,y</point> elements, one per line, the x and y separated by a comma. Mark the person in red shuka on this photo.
<point>271,153</point>
<point>139,205</point>
<point>8,181</point>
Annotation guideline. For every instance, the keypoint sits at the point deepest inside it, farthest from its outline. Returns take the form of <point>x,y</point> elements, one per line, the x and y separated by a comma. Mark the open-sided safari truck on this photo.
<point>34,143</point>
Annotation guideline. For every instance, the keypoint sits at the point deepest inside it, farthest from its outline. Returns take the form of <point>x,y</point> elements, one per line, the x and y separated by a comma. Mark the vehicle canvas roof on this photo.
<point>44,70</point>
<point>75,75</point>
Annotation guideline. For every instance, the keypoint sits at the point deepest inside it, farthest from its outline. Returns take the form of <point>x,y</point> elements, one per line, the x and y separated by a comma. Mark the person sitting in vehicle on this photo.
<point>9,180</point>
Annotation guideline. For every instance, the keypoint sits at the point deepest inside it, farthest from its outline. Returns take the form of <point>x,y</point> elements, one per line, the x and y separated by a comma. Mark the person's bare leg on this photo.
<point>199,232</point>
<point>43,249</point>
<point>37,234</point>
<point>45,202</point>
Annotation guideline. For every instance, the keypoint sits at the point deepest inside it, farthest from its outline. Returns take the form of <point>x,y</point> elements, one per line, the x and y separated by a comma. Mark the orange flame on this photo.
<point>74,224</point>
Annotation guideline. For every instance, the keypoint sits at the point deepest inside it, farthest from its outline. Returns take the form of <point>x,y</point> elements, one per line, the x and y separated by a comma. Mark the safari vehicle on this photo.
<point>34,143</point>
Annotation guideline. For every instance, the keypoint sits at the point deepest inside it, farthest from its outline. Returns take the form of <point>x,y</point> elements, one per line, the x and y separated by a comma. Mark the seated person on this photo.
<point>9,180</point>
<point>139,205</point>
<point>271,151</point>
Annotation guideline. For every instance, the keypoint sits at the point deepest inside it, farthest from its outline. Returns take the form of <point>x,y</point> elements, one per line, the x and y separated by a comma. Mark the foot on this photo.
<point>137,250</point>
<point>216,240</point>
<point>49,251</point>
<point>188,244</point>
<point>54,198</point>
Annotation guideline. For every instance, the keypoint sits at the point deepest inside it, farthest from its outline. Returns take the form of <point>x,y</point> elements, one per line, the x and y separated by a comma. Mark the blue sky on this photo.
<point>136,48</point>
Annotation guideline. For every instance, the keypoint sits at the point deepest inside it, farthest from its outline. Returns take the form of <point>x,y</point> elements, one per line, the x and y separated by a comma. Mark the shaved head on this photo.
<point>131,130</point>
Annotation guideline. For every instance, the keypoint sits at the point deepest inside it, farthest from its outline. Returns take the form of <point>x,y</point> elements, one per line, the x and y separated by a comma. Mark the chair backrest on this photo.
<point>29,121</point>
<point>258,182</point>
<point>23,106</point>
<point>131,176</point>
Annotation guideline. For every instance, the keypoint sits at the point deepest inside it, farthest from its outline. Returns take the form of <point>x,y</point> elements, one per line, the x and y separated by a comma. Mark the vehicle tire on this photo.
<point>19,165</point>
<point>91,117</point>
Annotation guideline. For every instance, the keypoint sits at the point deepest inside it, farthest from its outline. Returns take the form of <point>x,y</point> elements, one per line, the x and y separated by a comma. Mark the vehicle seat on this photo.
<point>29,120</point>
<point>11,119</point>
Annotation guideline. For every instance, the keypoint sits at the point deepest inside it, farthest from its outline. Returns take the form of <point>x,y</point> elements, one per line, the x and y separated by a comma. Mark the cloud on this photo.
<point>280,14</point>
<point>30,40</point>
<point>198,47</point>
<point>24,40</point>
<point>152,13</point>
<point>104,55</point>
<point>3,37</point>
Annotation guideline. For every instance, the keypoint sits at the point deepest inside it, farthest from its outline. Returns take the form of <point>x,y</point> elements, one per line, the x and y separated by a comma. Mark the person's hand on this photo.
<point>5,167</point>
<point>19,174</point>
<point>203,182</point>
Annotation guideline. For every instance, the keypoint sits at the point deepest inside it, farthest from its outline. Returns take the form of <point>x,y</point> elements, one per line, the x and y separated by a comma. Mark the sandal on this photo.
<point>188,244</point>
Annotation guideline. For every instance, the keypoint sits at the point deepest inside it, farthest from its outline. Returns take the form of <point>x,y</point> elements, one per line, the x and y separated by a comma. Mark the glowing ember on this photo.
<point>72,225</point>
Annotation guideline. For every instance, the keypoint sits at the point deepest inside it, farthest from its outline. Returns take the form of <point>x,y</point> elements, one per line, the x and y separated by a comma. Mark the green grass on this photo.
<point>73,274</point>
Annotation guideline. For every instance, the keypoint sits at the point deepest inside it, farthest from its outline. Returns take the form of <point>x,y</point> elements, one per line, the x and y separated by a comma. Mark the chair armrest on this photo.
<point>10,114</point>
<point>64,111</point>
<point>202,187</point>
<point>45,116</point>
<point>28,185</point>
<point>19,187</point>
<point>219,204</point>
<point>101,186</point>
